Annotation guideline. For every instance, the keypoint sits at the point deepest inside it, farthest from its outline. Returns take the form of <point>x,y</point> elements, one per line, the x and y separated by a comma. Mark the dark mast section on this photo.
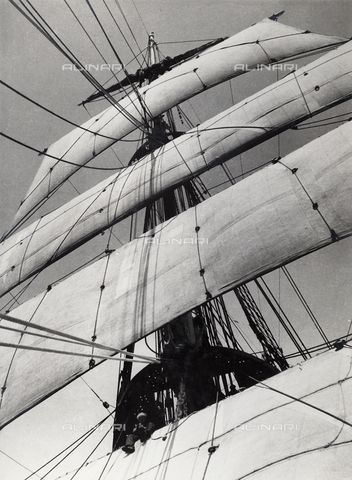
<point>201,360</point>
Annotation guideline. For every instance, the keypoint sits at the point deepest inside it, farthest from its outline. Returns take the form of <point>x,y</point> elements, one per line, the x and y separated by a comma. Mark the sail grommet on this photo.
<point>48,288</point>
<point>197,228</point>
<point>208,295</point>
<point>315,206</point>
<point>294,170</point>
<point>317,88</point>
<point>106,405</point>
<point>94,337</point>
<point>201,272</point>
<point>102,287</point>
<point>91,363</point>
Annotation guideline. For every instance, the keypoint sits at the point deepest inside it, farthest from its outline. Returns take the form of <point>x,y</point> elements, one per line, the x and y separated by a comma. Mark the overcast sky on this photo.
<point>34,67</point>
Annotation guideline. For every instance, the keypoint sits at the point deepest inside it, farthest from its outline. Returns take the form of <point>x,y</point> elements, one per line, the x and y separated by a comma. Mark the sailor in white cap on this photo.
<point>142,431</point>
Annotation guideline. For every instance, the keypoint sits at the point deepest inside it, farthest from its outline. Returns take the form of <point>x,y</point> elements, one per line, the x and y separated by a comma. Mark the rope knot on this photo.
<point>212,449</point>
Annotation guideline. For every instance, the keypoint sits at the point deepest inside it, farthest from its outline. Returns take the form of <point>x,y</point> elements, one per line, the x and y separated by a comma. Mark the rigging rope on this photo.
<point>329,118</point>
<point>139,15</point>
<point>293,335</point>
<point>303,127</point>
<point>9,305</point>
<point>201,269</point>
<point>67,335</point>
<point>55,114</point>
<point>104,403</point>
<point>73,59</point>
<point>305,304</point>
<point>6,317</point>
<point>322,346</point>
<point>101,290</point>
<point>315,205</point>
<point>91,453</point>
<point>86,32</point>
<point>78,441</point>
<point>11,458</point>
<point>73,354</point>
<point>57,158</point>
<point>188,41</point>
<point>297,399</point>
<point>124,37</point>
<point>139,97</point>
<point>212,448</point>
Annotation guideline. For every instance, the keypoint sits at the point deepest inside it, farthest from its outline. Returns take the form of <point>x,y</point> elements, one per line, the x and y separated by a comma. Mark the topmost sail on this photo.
<point>263,43</point>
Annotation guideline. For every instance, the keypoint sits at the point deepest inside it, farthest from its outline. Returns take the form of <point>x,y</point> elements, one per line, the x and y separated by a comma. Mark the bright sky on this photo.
<point>32,66</point>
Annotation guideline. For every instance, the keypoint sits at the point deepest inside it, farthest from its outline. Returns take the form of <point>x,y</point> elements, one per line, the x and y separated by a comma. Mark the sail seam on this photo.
<point>201,151</point>
<point>315,205</point>
<point>26,249</point>
<point>3,388</point>
<point>201,269</point>
<point>315,449</point>
<point>102,288</point>
<point>304,98</point>
<point>114,216</point>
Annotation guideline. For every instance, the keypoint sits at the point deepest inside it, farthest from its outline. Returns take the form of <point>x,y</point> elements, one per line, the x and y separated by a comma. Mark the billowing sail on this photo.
<point>269,219</point>
<point>319,85</point>
<point>263,43</point>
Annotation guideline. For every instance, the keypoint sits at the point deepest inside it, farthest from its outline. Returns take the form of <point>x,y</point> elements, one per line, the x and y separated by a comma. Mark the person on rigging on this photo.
<point>142,431</point>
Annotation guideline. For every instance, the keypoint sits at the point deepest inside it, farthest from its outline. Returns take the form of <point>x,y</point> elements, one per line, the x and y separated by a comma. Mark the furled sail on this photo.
<point>283,212</point>
<point>263,43</point>
<point>321,84</point>
<point>150,72</point>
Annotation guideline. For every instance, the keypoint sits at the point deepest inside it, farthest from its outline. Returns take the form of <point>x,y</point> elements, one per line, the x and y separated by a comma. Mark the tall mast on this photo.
<point>152,51</point>
<point>180,385</point>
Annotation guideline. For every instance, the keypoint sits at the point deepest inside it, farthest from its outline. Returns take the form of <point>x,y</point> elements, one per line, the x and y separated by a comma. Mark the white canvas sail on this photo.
<point>269,219</point>
<point>262,43</point>
<point>260,419</point>
<point>321,84</point>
